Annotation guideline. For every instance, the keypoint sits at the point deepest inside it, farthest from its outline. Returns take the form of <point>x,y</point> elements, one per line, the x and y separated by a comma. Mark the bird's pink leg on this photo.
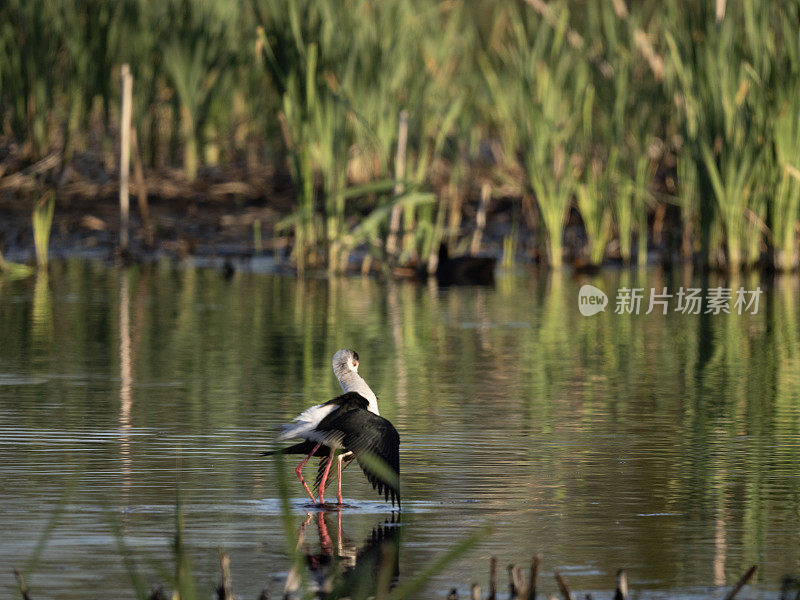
<point>325,478</point>
<point>299,471</point>
<point>324,537</point>
<point>339,473</point>
<point>339,530</point>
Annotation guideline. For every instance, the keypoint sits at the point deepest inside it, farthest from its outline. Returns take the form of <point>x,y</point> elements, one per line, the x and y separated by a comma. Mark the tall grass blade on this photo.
<point>459,548</point>
<point>50,526</point>
<point>42,223</point>
<point>12,270</point>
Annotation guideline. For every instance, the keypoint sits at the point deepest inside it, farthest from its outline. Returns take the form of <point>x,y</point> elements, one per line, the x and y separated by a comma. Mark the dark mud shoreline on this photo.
<point>216,215</point>
<point>227,214</point>
<point>180,228</point>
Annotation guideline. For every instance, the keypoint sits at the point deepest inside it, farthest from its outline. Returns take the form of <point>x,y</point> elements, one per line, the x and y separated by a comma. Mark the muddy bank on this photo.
<point>219,213</point>
<point>226,214</point>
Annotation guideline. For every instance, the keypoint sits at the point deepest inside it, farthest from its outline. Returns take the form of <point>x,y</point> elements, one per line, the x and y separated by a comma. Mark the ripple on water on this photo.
<point>367,507</point>
<point>601,443</point>
<point>10,379</point>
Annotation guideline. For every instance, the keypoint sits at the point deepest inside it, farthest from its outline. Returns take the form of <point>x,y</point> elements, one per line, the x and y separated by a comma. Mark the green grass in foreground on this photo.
<point>369,581</point>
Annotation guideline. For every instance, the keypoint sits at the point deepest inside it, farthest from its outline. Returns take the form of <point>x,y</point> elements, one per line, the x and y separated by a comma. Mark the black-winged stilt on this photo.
<point>351,425</point>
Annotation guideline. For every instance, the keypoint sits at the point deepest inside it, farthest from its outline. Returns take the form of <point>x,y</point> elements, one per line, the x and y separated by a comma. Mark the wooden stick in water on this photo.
<point>157,593</point>
<point>519,581</point>
<point>741,583</point>
<point>788,585</point>
<point>622,586</point>
<point>480,219</point>
<point>493,578</point>
<point>537,560</point>
<point>562,586</point>
<point>125,155</point>
<point>719,13</point>
<point>366,265</point>
<point>512,587</point>
<point>224,590</point>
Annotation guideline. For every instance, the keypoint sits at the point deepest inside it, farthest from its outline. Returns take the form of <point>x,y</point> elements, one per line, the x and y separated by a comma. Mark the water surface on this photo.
<point>665,444</point>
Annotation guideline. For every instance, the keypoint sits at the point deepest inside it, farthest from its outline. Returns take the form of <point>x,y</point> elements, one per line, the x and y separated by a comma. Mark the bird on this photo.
<point>350,424</point>
<point>464,270</point>
<point>228,270</point>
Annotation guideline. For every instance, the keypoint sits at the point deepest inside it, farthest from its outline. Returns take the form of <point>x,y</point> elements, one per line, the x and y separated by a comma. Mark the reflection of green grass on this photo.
<point>42,326</point>
<point>719,388</point>
<point>27,574</point>
<point>42,220</point>
<point>183,580</point>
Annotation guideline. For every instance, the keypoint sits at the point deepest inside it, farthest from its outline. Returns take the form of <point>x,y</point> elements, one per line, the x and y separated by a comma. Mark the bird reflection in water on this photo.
<point>340,567</point>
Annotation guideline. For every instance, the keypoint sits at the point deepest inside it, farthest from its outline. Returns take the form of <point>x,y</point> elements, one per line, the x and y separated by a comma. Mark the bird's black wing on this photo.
<point>349,401</point>
<point>369,437</point>
<point>346,401</point>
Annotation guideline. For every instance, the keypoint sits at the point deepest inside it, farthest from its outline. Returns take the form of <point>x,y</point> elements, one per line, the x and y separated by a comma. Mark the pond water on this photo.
<point>665,444</point>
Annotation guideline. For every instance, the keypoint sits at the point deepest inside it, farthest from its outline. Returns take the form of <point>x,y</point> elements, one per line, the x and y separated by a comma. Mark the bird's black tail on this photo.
<point>302,448</point>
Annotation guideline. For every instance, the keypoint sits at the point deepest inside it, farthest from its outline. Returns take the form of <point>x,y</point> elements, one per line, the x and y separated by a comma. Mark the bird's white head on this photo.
<point>345,361</point>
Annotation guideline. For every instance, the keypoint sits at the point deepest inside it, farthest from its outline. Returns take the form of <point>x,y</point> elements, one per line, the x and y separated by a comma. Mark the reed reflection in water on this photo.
<point>665,444</point>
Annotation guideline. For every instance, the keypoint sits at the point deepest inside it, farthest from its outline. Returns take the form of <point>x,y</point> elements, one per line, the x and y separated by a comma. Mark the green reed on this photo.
<point>301,42</point>
<point>626,109</point>
<point>593,197</point>
<point>196,59</point>
<point>29,58</point>
<point>42,223</point>
<point>727,86</point>
<point>317,91</point>
<point>538,89</point>
<point>12,270</point>
<point>689,203</point>
<point>345,76</point>
<point>786,134</point>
